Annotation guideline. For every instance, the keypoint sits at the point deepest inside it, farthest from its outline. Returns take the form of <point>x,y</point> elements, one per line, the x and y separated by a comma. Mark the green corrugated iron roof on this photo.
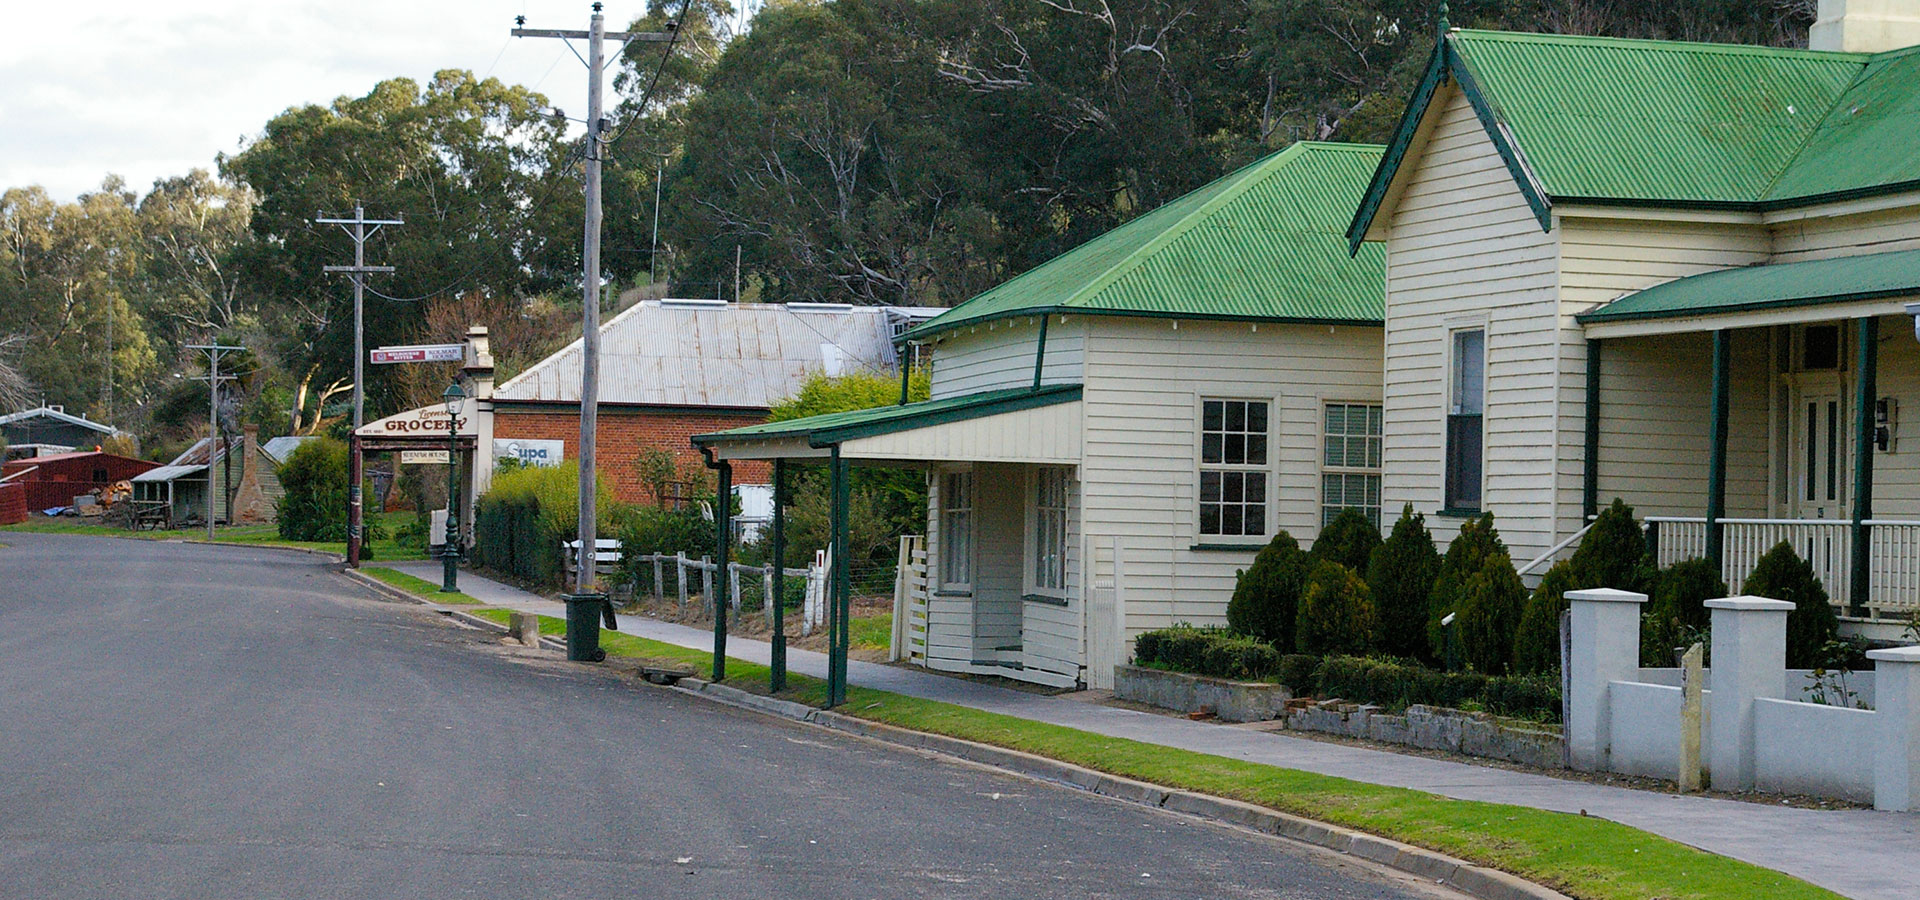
<point>1867,277</point>
<point>1264,243</point>
<point>832,428</point>
<point>1676,123</point>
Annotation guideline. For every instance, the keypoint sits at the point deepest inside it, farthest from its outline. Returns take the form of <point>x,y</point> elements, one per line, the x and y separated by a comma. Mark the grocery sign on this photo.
<point>420,353</point>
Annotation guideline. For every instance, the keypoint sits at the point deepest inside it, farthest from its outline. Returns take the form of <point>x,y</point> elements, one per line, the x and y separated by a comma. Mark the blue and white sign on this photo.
<point>529,452</point>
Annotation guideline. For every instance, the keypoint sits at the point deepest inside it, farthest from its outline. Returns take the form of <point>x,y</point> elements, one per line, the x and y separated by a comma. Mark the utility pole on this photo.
<point>358,272</point>
<point>595,35</point>
<point>213,378</point>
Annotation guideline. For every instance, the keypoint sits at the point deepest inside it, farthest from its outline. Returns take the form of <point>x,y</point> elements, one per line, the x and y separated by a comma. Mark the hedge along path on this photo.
<point>1583,856</point>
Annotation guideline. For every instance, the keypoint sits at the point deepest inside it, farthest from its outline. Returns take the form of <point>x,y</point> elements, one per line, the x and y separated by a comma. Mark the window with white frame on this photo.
<point>1350,463</point>
<point>1466,407</point>
<point>1049,534</point>
<point>956,530</point>
<point>1233,467</point>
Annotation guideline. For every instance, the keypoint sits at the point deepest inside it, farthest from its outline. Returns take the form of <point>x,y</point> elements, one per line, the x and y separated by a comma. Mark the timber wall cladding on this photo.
<point>624,434</point>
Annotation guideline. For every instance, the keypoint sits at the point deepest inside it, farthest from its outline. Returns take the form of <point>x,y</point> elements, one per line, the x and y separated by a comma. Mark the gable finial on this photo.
<point>1443,18</point>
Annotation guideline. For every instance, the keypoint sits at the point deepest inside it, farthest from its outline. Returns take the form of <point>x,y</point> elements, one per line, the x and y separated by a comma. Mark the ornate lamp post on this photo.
<point>450,553</point>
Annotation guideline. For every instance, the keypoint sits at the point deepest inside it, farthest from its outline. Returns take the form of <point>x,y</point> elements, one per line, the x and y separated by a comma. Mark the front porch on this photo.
<point>1735,424</point>
<point>1003,558</point>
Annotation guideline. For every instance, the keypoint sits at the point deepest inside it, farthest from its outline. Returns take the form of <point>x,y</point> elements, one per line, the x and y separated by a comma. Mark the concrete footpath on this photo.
<point>1859,853</point>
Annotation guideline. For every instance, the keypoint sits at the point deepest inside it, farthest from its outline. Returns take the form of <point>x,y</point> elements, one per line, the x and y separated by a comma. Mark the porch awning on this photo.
<point>1040,425</point>
<point>168,473</point>
<point>1853,280</point>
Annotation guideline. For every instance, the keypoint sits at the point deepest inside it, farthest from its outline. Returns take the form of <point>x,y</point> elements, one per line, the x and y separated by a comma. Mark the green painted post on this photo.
<point>723,544</point>
<point>1717,444</point>
<point>906,372</point>
<point>838,605</point>
<point>778,681</point>
<point>1866,389</point>
<point>1040,353</point>
<point>1590,465</point>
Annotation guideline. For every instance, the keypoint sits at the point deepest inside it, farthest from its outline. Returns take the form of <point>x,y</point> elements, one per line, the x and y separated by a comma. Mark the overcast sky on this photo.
<point>150,89</point>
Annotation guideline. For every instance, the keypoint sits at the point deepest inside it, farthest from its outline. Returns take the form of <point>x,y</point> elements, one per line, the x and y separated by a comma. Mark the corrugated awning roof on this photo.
<point>1264,243</point>
<point>833,428</point>
<point>1866,277</point>
<point>168,473</point>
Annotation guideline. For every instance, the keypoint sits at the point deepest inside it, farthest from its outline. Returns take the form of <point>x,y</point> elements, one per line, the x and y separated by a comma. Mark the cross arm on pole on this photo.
<point>656,37</point>
<point>356,269</point>
<point>358,222</point>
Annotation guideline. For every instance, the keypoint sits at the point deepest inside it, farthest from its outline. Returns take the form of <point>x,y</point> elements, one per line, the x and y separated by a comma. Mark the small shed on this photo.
<point>171,495</point>
<point>51,481</point>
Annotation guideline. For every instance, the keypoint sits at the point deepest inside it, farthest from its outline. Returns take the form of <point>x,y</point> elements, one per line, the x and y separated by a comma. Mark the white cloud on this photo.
<point>148,90</point>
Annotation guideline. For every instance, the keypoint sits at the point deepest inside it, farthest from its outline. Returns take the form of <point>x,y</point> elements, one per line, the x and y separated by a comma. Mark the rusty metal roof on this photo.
<point>715,354</point>
<point>1264,243</point>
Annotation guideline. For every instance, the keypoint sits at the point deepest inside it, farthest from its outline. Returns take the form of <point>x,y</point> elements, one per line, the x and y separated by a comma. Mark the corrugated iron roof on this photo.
<point>1865,277</point>
<point>745,356</point>
<point>1868,138</point>
<point>1264,243</point>
<point>168,473</point>
<point>832,428</point>
<point>1654,120</point>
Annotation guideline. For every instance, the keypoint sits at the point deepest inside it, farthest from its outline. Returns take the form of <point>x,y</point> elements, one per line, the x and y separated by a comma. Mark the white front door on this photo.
<point>1822,445</point>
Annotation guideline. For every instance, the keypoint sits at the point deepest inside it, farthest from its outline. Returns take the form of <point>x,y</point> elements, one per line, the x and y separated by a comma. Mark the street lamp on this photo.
<point>450,553</point>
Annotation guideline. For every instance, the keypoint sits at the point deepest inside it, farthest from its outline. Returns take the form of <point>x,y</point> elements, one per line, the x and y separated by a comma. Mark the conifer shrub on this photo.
<point>1477,581</point>
<point>1612,554</point>
<point>1676,614</point>
<point>1336,612</point>
<point>1783,575</point>
<point>1400,576</point>
<point>1348,540</point>
<point>1536,644</point>
<point>1266,596</point>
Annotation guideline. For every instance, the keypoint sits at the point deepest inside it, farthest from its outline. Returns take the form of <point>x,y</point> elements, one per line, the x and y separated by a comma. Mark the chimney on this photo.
<point>1865,26</point>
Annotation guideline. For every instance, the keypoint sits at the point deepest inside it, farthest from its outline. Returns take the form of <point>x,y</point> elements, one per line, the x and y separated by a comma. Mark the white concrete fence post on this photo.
<point>1896,754</point>
<point>1749,662</point>
<point>1605,627</point>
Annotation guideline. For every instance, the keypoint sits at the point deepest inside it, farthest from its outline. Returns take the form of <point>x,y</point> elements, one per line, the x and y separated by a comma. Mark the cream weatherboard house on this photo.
<point>1167,395</point>
<point>1674,273</point>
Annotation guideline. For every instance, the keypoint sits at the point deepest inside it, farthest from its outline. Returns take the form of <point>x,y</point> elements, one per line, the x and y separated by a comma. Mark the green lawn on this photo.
<point>1583,856</point>
<point>255,535</point>
<point>872,632</point>
<point>418,586</point>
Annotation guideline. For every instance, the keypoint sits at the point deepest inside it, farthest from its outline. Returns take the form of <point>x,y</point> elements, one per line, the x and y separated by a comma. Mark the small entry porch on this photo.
<point>1743,408</point>
<point>1002,531</point>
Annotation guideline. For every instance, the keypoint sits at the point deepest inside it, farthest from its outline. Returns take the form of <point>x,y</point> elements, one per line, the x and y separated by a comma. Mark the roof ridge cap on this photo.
<point>1662,43</point>
<point>1241,179</point>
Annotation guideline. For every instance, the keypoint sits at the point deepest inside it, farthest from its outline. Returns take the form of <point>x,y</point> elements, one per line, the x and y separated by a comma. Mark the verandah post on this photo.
<point>1590,464</point>
<point>776,598</point>
<point>838,604</point>
<point>1865,389</point>
<point>723,543</point>
<point>1717,444</point>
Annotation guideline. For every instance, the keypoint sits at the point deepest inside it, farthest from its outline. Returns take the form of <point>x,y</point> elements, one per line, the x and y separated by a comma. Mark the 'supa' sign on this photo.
<point>530,452</point>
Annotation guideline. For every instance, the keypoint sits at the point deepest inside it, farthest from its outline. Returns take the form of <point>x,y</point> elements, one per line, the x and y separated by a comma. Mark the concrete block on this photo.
<point>525,629</point>
<point>1604,627</point>
<point>1896,754</point>
<point>1749,662</point>
<point>1229,701</point>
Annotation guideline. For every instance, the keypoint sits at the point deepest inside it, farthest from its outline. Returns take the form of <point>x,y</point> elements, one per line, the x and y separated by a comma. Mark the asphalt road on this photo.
<point>207,722</point>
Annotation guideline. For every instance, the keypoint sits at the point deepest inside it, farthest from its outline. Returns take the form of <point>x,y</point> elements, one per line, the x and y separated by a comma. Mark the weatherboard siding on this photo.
<point>1464,250</point>
<point>1144,380</point>
<point>1824,237</point>
<point>1000,355</point>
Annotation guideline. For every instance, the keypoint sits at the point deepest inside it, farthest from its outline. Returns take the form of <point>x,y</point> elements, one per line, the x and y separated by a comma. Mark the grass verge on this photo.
<point>1586,857</point>
<point>418,586</point>
<point>252,535</point>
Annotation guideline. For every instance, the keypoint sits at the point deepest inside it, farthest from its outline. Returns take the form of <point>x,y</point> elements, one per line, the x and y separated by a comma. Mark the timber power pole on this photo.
<point>213,377</point>
<point>595,143</point>
<point>357,228</point>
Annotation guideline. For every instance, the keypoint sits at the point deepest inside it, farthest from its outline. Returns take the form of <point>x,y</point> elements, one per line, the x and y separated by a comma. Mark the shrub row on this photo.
<point>1219,653</point>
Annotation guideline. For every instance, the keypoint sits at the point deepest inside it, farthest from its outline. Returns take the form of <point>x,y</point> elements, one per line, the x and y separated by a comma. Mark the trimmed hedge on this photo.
<point>1214,652</point>
<point>520,522</point>
<point>1220,653</point>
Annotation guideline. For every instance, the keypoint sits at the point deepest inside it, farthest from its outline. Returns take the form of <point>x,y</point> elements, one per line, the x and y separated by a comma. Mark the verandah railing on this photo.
<point>1893,553</point>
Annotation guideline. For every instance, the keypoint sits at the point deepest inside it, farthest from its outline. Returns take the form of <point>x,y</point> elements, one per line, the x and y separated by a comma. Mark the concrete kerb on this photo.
<point>1470,879</point>
<point>329,554</point>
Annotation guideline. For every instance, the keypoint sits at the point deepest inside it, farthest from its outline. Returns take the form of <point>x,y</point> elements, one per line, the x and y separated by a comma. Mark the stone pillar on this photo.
<point>1896,753</point>
<point>1604,626</point>
<point>1749,662</point>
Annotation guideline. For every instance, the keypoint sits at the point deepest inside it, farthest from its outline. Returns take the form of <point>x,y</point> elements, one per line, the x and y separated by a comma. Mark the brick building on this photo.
<point>671,369</point>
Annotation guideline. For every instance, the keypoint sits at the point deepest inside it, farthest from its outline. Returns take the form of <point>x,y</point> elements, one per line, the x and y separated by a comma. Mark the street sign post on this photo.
<point>420,353</point>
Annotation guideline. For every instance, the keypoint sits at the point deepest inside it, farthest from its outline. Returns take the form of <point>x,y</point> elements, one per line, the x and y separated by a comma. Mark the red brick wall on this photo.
<point>624,433</point>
